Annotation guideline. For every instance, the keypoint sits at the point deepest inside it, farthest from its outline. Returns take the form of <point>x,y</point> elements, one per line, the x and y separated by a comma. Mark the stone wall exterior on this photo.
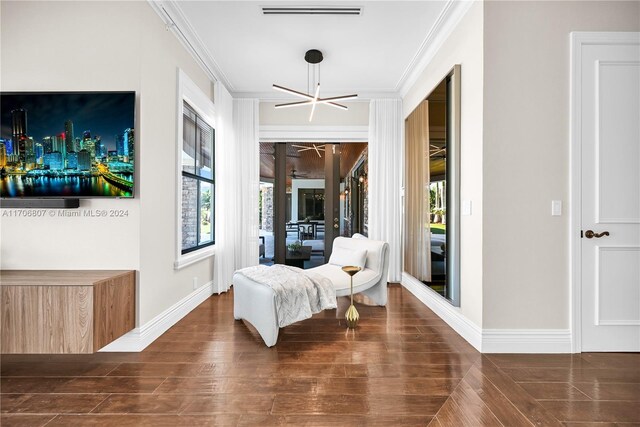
<point>267,208</point>
<point>365,231</point>
<point>189,213</point>
<point>348,220</point>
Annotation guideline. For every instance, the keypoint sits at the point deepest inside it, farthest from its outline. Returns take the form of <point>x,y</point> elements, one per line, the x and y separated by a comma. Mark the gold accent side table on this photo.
<point>352,315</point>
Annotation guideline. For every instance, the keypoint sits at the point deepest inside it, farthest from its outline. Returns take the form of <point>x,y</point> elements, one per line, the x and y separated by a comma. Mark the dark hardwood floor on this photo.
<point>403,366</point>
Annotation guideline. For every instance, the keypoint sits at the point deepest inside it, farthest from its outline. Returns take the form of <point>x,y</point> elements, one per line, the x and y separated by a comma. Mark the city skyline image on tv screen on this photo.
<point>67,145</point>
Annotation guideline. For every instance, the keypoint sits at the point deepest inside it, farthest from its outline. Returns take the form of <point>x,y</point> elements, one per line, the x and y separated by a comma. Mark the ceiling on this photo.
<point>307,163</point>
<point>367,54</point>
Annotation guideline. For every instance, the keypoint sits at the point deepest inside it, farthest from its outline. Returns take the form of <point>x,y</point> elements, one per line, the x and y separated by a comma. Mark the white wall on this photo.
<point>91,46</point>
<point>464,46</point>
<point>526,154</point>
<point>32,60</point>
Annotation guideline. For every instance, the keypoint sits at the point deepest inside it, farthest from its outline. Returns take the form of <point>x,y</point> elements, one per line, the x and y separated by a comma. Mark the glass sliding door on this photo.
<point>432,180</point>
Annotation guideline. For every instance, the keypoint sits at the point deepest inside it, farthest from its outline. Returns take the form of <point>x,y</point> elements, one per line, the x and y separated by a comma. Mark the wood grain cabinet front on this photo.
<point>55,312</point>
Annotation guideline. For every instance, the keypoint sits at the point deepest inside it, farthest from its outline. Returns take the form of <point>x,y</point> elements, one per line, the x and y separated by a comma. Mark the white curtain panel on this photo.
<point>247,176</point>
<point>386,145</point>
<point>237,186</point>
<point>226,210</point>
<point>417,243</point>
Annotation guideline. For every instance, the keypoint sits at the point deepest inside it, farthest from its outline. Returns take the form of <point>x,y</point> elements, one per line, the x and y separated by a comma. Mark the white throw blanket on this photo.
<point>299,294</point>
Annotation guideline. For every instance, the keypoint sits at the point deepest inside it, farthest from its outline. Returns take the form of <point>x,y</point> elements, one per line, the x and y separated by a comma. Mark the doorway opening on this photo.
<point>323,188</point>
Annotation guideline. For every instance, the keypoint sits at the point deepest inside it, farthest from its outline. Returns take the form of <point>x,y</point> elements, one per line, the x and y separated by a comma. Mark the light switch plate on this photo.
<point>466,207</point>
<point>556,207</point>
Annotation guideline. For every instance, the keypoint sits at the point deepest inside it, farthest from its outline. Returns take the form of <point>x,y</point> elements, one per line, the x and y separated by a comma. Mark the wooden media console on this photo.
<point>64,311</point>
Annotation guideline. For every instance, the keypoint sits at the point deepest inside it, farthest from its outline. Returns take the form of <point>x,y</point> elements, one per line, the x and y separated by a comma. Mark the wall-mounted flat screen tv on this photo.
<point>67,144</point>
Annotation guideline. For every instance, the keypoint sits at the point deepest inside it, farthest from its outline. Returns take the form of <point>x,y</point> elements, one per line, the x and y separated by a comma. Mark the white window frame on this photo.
<point>189,92</point>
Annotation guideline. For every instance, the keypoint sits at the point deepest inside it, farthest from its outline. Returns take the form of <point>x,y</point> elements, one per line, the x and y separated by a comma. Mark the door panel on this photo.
<point>610,138</point>
<point>616,120</point>
<point>616,286</point>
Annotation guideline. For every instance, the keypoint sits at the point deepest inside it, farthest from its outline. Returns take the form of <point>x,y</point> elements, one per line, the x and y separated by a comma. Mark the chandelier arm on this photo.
<point>338,98</point>
<point>333,104</point>
<point>301,103</point>
<point>315,100</point>
<point>294,104</point>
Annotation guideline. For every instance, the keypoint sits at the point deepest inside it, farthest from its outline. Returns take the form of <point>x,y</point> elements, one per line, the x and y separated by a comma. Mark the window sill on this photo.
<point>193,257</point>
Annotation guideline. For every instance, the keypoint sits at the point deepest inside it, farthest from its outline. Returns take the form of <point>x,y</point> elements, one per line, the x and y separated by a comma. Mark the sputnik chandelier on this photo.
<point>313,58</point>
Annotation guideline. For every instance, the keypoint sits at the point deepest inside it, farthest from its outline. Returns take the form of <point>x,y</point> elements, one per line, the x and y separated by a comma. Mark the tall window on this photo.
<point>198,185</point>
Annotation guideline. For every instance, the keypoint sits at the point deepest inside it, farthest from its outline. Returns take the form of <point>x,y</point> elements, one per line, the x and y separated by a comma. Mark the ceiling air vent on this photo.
<point>310,10</point>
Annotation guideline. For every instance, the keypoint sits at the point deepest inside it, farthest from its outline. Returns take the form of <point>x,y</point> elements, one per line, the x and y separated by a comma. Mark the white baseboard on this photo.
<point>526,341</point>
<point>139,338</point>
<point>451,315</point>
<point>490,340</point>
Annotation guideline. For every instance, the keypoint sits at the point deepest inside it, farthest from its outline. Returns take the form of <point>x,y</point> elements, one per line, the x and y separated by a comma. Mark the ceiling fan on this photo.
<point>294,175</point>
<point>437,152</point>
<point>313,147</point>
<point>314,58</point>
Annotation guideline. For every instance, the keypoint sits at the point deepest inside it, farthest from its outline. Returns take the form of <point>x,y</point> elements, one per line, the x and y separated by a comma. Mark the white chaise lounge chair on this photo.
<point>255,302</point>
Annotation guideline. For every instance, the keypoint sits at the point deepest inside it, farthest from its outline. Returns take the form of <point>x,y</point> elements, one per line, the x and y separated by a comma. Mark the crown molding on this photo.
<point>175,20</point>
<point>448,20</point>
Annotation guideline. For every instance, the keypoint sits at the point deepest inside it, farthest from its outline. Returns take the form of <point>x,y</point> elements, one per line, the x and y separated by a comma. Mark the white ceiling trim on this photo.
<point>171,14</point>
<point>289,133</point>
<point>443,27</point>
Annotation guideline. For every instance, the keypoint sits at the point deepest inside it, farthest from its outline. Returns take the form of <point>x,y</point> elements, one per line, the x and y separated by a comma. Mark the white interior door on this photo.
<point>610,185</point>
